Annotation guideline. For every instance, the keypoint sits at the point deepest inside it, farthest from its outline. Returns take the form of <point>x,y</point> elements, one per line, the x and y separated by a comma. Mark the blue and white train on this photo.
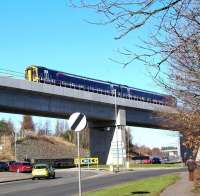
<point>45,75</point>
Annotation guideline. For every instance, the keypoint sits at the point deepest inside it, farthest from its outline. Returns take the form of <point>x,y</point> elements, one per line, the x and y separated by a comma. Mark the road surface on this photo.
<point>66,183</point>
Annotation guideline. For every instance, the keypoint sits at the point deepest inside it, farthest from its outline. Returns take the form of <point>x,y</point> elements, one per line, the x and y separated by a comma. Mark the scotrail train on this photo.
<point>45,75</point>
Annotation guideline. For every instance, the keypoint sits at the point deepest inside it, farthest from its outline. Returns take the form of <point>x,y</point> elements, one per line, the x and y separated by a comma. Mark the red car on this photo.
<point>20,167</point>
<point>147,161</point>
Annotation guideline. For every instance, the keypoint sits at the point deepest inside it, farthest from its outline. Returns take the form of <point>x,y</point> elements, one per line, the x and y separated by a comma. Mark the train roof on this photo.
<point>102,81</point>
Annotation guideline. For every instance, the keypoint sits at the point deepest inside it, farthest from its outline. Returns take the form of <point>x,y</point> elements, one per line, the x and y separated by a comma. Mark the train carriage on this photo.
<point>45,75</point>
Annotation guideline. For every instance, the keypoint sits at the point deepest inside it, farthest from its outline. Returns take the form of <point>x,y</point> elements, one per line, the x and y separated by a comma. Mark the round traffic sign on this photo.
<point>77,121</point>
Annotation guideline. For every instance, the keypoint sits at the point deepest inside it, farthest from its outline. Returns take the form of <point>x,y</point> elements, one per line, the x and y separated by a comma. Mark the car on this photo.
<point>141,159</point>
<point>10,162</point>
<point>20,167</point>
<point>156,160</point>
<point>42,170</point>
<point>3,166</point>
<point>147,161</point>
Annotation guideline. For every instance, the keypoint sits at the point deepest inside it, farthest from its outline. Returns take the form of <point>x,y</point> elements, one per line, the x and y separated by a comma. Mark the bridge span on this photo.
<point>25,97</point>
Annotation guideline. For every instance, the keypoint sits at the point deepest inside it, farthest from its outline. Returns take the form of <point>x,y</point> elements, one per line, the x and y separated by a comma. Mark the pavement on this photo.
<point>12,176</point>
<point>182,187</point>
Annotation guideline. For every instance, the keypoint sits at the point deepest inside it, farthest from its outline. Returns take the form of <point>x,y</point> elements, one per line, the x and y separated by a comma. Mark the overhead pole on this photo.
<point>116,129</point>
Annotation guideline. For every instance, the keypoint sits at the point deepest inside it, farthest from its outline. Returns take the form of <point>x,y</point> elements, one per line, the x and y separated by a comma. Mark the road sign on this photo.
<point>77,121</point>
<point>85,161</point>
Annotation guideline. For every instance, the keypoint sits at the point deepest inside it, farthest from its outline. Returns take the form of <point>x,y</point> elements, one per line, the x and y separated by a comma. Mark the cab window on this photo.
<point>34,74</point>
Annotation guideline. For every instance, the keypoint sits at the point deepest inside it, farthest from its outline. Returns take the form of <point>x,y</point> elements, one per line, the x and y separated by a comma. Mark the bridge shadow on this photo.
<point>140,192</point>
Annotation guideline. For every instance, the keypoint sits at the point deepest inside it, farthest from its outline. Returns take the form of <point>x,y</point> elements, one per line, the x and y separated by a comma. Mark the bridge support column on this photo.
<point>117,153</point>
<point>107,140</point>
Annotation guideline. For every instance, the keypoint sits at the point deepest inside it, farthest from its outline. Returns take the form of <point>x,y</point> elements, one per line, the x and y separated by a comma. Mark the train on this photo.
<point>44,75</point>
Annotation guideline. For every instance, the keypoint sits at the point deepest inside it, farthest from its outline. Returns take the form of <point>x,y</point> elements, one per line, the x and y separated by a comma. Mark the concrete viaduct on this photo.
<point>24,97</point>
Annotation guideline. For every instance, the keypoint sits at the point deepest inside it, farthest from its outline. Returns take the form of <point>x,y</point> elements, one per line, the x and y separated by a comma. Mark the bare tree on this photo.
<point>155,152</point>
<point>6,127</point>
<point>129,143</point>
<point>59,128</point>
<point>127,16</point>
<point>167,20</point>
<point>7,131</point>
<point>172,48</point>
<point>27,125</point>
<point>182,79</point>
<point>47,127</point>
<point>40,129</point>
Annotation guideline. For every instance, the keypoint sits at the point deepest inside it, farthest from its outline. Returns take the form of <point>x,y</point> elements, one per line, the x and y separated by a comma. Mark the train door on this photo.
<point>28,74</point>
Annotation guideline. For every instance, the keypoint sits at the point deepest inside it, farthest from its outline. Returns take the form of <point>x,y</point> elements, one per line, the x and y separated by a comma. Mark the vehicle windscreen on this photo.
<point>40,167</point>
<point>27,164</point>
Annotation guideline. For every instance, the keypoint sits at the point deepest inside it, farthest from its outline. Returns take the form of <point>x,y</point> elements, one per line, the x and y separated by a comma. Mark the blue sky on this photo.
<point>49,33</point>
<point>154,137</point>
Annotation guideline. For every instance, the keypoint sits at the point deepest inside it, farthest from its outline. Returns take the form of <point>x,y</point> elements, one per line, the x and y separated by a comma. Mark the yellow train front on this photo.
<point>40,74</point>
<point>31,73</point>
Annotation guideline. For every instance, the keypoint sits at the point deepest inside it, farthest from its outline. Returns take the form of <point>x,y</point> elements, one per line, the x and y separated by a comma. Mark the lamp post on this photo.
<point>127,132</point>
<point>116,129</point>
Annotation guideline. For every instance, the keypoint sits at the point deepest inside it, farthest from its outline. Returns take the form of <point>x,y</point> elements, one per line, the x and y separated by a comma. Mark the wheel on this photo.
<point>54,176</point>
<point>33,178</point>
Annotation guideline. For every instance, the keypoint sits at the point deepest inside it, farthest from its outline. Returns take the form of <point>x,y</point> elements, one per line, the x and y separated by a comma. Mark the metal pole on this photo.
<point>15,147</point>
<point>116,129</point>
<point>79,166</point>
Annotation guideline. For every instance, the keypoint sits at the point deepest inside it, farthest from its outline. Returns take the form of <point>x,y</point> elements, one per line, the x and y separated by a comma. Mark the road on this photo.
<point>67,183</point>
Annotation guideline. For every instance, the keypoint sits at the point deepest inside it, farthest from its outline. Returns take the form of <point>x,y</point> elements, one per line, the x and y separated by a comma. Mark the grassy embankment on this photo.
<point>148,187</point>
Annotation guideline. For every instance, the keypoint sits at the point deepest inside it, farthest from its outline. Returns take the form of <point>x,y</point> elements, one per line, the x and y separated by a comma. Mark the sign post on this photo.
<point>77,122</point>
<point>79,165</point>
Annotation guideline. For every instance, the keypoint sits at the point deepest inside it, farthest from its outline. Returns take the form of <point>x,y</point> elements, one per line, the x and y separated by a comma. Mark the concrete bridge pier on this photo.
<point>107,140</point>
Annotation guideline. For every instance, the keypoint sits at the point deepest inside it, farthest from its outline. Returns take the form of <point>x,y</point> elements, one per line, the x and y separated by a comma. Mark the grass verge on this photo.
<point>197,189</point>
<point>166,165</point>
<point>147,187</point>
<point>136,166</point>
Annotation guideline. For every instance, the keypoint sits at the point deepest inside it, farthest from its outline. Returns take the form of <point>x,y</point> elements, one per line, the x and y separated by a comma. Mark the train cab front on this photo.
<point>31,73</point>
